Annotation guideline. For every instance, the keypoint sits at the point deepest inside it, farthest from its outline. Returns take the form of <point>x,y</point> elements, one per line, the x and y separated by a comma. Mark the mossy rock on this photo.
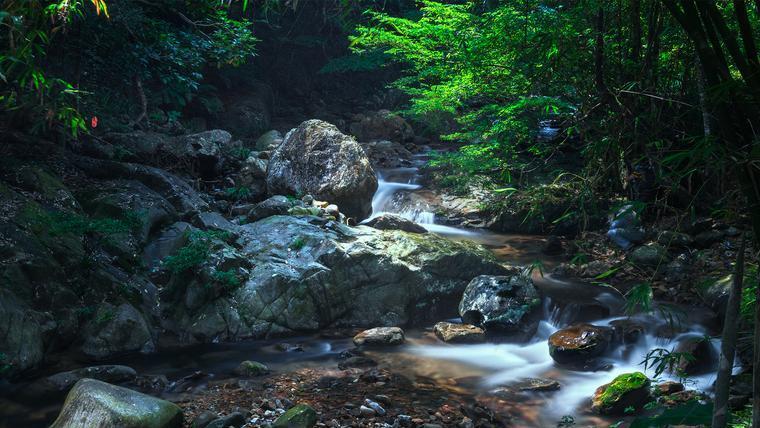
<point>251,369</point>
<point>92,404</point>
<point>626,393</point>
<point>299,416</point>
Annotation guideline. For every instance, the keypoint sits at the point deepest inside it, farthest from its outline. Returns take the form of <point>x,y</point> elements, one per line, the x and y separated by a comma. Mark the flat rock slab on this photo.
<point>380,336</point>
<point>459,333</point>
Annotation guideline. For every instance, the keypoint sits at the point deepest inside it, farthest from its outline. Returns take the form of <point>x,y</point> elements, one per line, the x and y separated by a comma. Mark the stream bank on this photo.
<point>285,248</point>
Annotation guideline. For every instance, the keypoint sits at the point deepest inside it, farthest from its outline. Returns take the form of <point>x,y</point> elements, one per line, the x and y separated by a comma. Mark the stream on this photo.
<point>477,368</point>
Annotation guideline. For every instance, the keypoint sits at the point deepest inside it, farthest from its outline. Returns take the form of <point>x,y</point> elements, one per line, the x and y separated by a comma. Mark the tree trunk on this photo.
<point>601,87</point>
<point>728,346</point>
<point>706,118</point>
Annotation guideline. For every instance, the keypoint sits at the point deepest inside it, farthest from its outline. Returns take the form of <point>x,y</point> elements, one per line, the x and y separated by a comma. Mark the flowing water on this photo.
<point>497,364</point>
<point>478,368</point>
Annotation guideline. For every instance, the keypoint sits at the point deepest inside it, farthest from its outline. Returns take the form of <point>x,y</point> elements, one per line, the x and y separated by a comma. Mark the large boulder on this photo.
<point>506,304</point>
<point>387,154</point>
<point>630,391</point>
<point>269,141</point>
<point>115,330</point>
<point>172,188</point>
<point>579,344</point>
<point>22,337</point>
<point>202,151</point>
<point>317,159</point>
<point>95,404</point>
<point>309,273</point>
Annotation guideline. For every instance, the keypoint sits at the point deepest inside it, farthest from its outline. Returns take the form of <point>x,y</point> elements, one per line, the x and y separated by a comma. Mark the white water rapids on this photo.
<point>506,363</point>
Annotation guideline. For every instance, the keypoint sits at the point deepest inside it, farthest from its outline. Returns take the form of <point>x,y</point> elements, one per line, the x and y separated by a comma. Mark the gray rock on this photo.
<point>707,238</point>
<point>269,141</point>
<point>122,199</point>
<point>382,125</point>
<point>316,158</point>
<point>205,418</point>
<point>235,419</point>
<point>501,303</point>
<point>670,239</point>
<point>142,146</point>
<point>95,404</point>
<point>276,205</point>
<point>202,150</point>
<point>22,338</point>
<point>167,243</point>
<point>60,383</point>
<point>387,154</point>
<point>380,336</point>
<point>212,220</point>
<point>651,255</point>
<point>116,330</point>
<point>253,169</point>
<point>395,222</point>
<point>308,273</point>
<point>175,190</point>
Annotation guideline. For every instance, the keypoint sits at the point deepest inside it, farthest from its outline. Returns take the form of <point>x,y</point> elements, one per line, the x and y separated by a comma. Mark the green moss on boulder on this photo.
<point>629,391</point>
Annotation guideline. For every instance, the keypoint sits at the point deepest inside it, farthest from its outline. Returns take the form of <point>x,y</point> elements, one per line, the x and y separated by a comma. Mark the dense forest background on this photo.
<point>656,100</point>
<point>559,112</point>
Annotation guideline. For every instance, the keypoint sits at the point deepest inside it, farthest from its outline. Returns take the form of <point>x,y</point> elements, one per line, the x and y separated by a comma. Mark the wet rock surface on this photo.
<point>459,333</point>
<point>507,304</point>
<point>380,336</point>
<point>317,159</point>
<point>579,344</point>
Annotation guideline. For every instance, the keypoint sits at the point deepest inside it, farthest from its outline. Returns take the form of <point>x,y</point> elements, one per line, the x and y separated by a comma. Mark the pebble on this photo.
<point>366,411</point>
<point>374,406</point>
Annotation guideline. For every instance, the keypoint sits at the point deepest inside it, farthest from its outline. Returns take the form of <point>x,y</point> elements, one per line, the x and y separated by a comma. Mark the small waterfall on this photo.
<point>396,195</point>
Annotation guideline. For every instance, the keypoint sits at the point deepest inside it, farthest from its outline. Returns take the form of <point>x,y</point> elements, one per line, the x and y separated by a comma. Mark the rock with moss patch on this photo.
<point>501,303</point>
<point>299,416</point>
<point>308,273</point>
<point>95,404</point>
<point>251,368</point>
<point>651,255</point>
<point>579,344</point>
<point>116,329</point>
<point>459,333</point>
<point>626,393</point>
